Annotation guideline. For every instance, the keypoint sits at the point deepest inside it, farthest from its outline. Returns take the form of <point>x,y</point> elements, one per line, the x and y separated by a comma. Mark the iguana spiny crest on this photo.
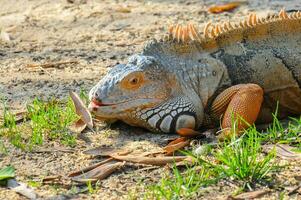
<point>188,80</point>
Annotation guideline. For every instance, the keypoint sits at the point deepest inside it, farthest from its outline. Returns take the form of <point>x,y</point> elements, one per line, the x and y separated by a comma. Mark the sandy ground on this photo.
<point>97,35</point>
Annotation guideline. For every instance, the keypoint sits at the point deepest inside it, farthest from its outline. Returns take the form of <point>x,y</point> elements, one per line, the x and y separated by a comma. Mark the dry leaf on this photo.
<point>21,188</point>
<point>172,147</point>
<point>99,172</point>
<point>150,161</point>
<point>50,178</point>
<point>224,8</point>
<point>78,126</point>
<point>177,140</point>
<point>90,167</point>
<point>250,195</point>
<point>283,151</point>
<point>147,168</point>
<point>82,110</point>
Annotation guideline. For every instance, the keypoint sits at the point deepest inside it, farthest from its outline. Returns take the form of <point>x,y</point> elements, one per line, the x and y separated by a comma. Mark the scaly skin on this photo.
<point>188,81</point>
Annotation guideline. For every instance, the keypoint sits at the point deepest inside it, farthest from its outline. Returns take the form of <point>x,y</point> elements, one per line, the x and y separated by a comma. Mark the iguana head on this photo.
<point>142,93</point>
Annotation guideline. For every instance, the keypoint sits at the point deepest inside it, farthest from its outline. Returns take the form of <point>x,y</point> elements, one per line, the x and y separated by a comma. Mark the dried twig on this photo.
<point>250,195</point>
<point>99,172</point>
<point>147,168</point>
<point>51,178</point>
<point>53,150</point>
<point>75,173</point>
<point>51,64</point>
<point>150,161</point>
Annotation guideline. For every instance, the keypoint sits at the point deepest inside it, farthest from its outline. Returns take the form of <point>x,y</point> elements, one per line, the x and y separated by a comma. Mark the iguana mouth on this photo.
<point>96,103</point>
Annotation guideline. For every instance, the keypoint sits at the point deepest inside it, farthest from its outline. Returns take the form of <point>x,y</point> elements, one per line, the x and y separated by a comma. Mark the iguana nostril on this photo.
<point>96,101</point>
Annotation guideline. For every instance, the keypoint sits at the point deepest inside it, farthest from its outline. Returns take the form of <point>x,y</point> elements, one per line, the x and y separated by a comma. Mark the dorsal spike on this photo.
<point>246,23</point>
<point>194,32</point>
<point>291,16</point>
<point>206,30</point>
<point>179,34</point>
<point>252,27</point>
<point>176,31</point>
<point>185,34</point>
<point>225,27</point>
<point>217,29</point>
<point>250,20</point>
<point>260,21</point>
<point>283,14</point>
<point>254,19</point>
<point>295,15</point>
<point>212,32</point>
<point>241,24</point>
<point>230,25</point>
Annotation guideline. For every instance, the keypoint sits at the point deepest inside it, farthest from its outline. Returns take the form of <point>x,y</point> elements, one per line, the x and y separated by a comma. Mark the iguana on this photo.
<point>185,81</point>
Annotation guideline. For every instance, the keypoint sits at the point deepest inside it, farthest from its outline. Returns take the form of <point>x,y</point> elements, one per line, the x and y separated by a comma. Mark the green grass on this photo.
<point>284,134</point>
<point>51,119</point>
<point>10,130</point>
<point>33,183</point>
<point>242,159</point>
<point>182,185</point>
<point>44,120</point>
<point>239,160</point>
<point>84,96</point>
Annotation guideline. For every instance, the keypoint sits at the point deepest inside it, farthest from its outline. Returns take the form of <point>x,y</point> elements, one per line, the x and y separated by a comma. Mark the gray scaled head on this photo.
<point>142,93</point>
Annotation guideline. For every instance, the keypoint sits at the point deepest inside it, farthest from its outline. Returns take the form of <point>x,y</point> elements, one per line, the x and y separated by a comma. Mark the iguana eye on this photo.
<point>133,81</point>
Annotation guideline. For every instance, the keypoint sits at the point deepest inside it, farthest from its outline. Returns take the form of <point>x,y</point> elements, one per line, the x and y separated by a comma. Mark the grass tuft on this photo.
<point>284,133</point>
<point>51,120</point>
<point>242,159</point>
<point>181,185</point>
<point>239,159</point>
<point>10,130</point>
<point>45,120</point>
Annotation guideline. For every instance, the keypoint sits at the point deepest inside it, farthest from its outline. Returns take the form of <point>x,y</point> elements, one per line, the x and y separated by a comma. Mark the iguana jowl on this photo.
<point>187,81</point>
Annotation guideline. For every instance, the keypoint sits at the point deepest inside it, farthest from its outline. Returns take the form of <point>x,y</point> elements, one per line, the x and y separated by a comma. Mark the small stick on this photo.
<point>53,150</point>
<point>52,64</point>
<point>147,168</point>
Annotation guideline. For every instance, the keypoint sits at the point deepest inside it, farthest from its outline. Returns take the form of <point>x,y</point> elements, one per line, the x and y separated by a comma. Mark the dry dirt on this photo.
<point>96,34</point>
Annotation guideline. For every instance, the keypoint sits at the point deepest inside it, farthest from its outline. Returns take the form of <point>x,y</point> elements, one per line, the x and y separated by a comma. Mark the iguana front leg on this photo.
<point>241,104</point>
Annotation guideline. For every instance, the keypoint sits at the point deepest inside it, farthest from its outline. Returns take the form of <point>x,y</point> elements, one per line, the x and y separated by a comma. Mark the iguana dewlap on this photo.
<point>187,80</point>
